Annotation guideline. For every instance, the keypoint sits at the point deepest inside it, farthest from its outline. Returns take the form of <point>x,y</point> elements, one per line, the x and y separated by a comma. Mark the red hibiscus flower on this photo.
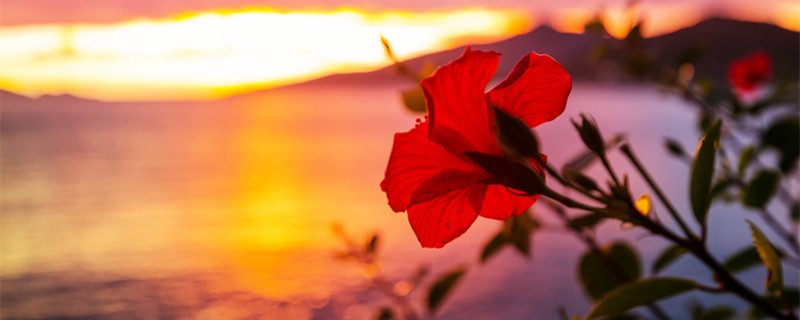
<point>746,74</point>
<point>431,174</point>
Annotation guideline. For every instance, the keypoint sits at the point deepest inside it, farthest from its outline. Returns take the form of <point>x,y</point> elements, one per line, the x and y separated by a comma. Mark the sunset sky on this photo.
<point>206,49</point>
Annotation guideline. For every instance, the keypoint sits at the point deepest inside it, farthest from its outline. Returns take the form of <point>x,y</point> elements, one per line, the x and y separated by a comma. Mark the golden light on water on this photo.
<point>217,54</point>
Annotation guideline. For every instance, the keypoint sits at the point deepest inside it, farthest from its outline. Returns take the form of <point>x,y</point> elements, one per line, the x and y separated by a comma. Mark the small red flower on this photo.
<point>430,176</point>
<point>746,74</point>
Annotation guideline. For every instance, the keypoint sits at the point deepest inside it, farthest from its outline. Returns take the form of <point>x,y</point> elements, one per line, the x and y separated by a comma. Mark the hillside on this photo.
<point>719,41</point>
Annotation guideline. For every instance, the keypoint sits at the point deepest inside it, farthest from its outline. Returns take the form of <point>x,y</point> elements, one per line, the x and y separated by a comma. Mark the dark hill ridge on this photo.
<point>567,48</point>
<point>720,41</point>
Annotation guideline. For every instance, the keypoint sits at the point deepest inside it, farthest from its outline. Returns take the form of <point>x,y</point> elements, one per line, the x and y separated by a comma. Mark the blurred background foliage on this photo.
<point>748,113</point>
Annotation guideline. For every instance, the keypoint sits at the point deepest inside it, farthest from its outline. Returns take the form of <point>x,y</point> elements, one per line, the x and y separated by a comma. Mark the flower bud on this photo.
<point>509,173</point>
<point>590,134</point>
<point>514,136</point>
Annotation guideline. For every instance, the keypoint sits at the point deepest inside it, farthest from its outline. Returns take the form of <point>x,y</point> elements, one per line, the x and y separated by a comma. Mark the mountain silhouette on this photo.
<point>716,41</point>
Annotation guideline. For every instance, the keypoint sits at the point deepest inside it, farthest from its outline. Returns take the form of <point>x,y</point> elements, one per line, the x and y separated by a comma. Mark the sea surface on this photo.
<point>224,209</point>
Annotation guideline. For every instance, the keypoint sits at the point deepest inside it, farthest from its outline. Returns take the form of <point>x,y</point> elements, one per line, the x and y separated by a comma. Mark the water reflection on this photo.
<point>223,209</point>
<point>85,295</point>
<point>246,188</point>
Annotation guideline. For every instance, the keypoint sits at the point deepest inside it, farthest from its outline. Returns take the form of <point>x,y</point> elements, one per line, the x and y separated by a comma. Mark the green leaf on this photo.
<point>770,258</point>
<point>784,135</point>
<point>719,313</point>
<point>703,172</point>
<point>639,293</point>
<point>668,256</point>
<point>414,99</point>
<point>442,287</point>
<point>745,259</point>
<point>516,231</point>
<point>520,228</point>
<point>745,158</point>
<point>761,189</point>
<point>598,277</point>
<point>493,246</point>
<point>791,294</point>
<point>742,260</point>
<point>372,244</point>
<point>674,147</point>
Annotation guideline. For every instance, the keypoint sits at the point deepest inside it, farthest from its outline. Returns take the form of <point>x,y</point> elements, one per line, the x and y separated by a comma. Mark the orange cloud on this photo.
<point>216,54</point>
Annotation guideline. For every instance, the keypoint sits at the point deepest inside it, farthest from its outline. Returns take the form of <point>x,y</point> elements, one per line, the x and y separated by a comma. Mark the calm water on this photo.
<point>223,209</point>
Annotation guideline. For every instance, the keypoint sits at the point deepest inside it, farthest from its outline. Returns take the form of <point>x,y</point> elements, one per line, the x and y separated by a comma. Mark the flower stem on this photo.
<point>610,263</point>
<point>696,248</point>
<point>610,170</point>
<point>566,183</point>
<point>550,193</point>
<point>728,281</point>
<point>626,149</point>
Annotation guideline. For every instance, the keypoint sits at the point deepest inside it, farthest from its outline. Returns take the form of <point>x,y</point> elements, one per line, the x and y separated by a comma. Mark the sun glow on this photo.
<point>661,18</point>
<point>217,54</point>
<point>787,15</point>
<point>657,19</point>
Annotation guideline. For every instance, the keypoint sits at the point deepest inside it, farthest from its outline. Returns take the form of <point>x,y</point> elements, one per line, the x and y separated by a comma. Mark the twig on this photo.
<point>553,173</point>
<point>625,148</point>
<point>610,170</point>
<point>615,268</point>
<point>698,249</point>
<point>728,281</point>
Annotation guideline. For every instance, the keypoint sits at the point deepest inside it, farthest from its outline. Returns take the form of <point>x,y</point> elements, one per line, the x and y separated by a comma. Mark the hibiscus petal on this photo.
<point>420,170</point>
<point>445,218</point>
<point>459,116</point>
<point>501,203</point>
<point>536,90</point>
<point>444,182</point>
